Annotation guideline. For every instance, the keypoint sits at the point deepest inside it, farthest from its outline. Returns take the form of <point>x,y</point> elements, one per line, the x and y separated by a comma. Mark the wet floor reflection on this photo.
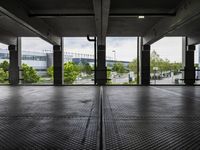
<point>134,117</point>
<point>15,120</point>
<point>57,123</point>
<point>159,118</point>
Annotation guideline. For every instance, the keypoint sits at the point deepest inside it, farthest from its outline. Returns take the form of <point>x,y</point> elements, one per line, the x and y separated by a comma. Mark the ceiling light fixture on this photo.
<point>141,17</point>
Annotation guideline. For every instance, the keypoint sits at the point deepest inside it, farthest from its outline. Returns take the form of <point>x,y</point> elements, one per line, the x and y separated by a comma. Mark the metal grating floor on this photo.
<point>48,118</point>
<point>75,117</point>
<point>152,118</point>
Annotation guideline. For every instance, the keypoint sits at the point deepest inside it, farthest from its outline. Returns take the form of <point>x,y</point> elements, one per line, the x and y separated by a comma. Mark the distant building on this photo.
<point>198,52</point>
<point>37,60</point>
<point>43,60</point>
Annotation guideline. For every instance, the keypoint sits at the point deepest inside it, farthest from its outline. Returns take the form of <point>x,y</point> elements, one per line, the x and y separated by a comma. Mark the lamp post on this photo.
<point>155,69</point>
<point>114,61</point>
<point>114,55</point>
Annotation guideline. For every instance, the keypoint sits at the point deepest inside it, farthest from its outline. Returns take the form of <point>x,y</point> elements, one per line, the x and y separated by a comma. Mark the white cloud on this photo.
<point>3,46</point>
<point>78,45</point>
<point>125,47</point>
<point>169,48</point>
<point>35,44</point>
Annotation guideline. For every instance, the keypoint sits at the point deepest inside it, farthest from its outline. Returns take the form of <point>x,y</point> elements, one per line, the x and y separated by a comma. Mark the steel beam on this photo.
<point>101,11</point>
<point>186,12</point>
<point>193,40</point>
<point>17,11</point>
<point>58,64</point>
<point>91,15</point>
<point>7,38</point>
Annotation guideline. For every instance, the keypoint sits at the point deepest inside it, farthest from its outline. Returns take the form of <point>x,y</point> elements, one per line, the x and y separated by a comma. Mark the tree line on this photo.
<point>156,61</point>
<point>72,70</point>
<point>30,75</point>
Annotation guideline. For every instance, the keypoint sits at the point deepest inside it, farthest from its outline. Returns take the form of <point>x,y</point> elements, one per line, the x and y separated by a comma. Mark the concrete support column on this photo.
<point>184,49</point>
<point>14,65</point>
<point>189,76</point>
<point>145,65</point>
<point>58,64</point>
<point>101,65</point>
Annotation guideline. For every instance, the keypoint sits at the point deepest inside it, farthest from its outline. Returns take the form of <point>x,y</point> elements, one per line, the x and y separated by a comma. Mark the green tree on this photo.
<point>71,72</point>
<point>3,75</point>
<point>108,73</point>
<point>86,68</point>
<point>119,68</point>
<point>163,64</point>
<point>133,66</point>
<point>4,65</point>
<point>176,67</point>
<point>29,74</point>
<point>50,71</point>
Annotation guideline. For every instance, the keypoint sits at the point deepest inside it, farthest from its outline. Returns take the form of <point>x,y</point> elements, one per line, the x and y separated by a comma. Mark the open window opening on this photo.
<point>78,61</point>
<point>36,61</point>
<point>166,61</point>
<point>121,60</point>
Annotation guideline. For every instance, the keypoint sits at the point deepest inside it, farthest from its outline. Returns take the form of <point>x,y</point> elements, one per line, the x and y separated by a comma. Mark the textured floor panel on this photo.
<point>48,118</point>
<point>152,134</point>
<point>152,118</point>
<point>48,133</point>
<point>144,118</point>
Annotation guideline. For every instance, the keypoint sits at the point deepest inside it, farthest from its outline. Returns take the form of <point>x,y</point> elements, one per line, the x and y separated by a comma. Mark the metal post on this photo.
<point>189,65</point>
<point>95,56</point>
<point>14,65</point>
<point>145,65</point>
<point>58,64</point>
<point>114,55</point>
<point>101,65</point>
<point>138,59</point>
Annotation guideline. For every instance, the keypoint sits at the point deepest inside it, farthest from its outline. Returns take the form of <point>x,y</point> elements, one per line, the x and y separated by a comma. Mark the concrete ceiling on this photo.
<point>52,19</point>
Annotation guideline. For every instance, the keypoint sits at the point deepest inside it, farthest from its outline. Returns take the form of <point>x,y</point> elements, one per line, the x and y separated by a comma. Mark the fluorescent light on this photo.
<point>141,17</point>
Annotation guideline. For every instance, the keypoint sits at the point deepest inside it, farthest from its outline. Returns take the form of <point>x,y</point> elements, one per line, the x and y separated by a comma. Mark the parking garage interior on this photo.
<point>100,115</point>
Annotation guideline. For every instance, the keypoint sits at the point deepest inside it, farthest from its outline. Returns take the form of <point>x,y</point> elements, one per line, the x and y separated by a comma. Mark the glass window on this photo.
<point>166,61</point>
<point>4,64</point>
<point>37,58</point>
<point>121,60</point>
<point>81,71</point>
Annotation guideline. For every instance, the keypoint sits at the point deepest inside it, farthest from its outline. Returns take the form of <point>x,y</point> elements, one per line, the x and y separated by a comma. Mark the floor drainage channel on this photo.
<point>101,127</point>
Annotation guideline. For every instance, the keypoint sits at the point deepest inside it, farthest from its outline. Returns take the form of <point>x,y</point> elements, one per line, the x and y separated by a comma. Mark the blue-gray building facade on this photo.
<point>43,60</point>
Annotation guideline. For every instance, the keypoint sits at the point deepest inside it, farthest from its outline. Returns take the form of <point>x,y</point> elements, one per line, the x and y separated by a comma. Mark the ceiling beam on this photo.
<point>187,11</point>
<point>193,40</point>
<point>91,15</point>
<point>18,12</point>
<point>55,15</point>
<point>7,38</point>
<point>101,11</point>
<point>52,13</point>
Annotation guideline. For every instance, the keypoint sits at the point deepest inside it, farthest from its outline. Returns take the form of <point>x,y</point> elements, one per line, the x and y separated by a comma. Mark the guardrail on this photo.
<point>183,70</point>
<point>101,79</point>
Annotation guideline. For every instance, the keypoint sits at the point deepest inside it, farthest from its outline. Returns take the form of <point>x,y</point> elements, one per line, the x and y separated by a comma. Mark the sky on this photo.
<point>170,48</point>
<point>125,47</point>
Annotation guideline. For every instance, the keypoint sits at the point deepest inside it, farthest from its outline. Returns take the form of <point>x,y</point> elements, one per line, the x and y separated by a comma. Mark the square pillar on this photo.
<point>145,65</point>
<point>14,65</point>
<point>184,49</point>
<point>58,64</point>
<point>101,75</point>
<point>189,76</point>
